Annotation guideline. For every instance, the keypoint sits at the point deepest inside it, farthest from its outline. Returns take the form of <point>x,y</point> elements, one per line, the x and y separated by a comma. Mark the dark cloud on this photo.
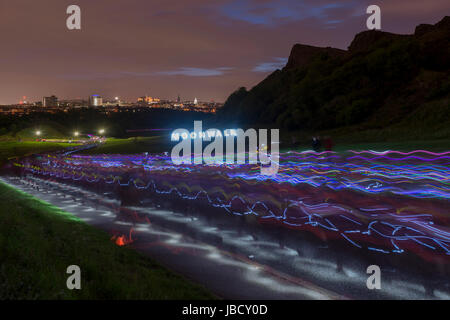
<point>276,63</point>
<point>196,72</point>
<point>196,48</point>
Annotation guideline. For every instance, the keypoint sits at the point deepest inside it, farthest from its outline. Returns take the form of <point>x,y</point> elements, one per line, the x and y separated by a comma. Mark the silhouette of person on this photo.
<point>328,144</point>
<point>316,144</point>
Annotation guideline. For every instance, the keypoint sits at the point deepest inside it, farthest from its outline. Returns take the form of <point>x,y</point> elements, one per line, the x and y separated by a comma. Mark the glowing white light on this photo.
<point>211,133</point>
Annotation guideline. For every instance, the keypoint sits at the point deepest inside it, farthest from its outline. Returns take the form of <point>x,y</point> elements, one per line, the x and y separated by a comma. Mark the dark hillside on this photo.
<point>383,80</point>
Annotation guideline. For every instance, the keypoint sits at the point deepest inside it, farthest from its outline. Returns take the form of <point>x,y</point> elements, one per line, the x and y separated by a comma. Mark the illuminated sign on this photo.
<point>208,134</point>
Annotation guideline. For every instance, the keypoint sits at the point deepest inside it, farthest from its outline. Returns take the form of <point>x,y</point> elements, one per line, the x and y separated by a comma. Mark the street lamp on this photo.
<point>76,134</point>
<point>101,131</point>
<point>38,133</point>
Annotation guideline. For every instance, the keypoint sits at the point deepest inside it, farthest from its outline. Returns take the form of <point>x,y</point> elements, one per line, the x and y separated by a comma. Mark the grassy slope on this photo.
<point>38,242</point>
<point>9,149</point>
<point>47,132</point>
<point>159,144</point>
<point>133,145</point>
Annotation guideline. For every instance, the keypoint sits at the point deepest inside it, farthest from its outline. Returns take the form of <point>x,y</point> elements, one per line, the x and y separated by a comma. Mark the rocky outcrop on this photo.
<point>422,29</point>
<point>302,54</point>
<point>367,40</point>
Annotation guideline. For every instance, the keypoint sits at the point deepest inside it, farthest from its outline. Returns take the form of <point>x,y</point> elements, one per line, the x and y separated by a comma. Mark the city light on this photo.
<point>76,133</point>
<point>38,133</point>
<point>101,131</point>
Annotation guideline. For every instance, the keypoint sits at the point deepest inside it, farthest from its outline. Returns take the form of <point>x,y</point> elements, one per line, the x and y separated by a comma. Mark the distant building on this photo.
<point>95,101</point>
<point>51,101</point>
<point>72,103</point>
<point>147,100</point>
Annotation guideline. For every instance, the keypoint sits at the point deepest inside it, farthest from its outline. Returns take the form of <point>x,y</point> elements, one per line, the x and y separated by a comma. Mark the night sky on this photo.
<point>195,48</point>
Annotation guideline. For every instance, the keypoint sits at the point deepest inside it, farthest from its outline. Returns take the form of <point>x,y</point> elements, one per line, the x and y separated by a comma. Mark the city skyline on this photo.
<point>165,48</point>
<point>114,98</point>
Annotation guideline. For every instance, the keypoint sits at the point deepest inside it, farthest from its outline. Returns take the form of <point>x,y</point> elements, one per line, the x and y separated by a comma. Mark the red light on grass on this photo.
<point>123,239</point>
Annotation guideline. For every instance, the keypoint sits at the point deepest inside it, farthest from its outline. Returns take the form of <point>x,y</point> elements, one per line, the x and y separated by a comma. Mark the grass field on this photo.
<point>155,144</point>
<point>161,144</point>
<point>39,241</point>
<point>406,138</point>
<point>9,149</point>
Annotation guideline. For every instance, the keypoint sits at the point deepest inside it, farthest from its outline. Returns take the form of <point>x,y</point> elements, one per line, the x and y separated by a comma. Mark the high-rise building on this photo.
<point>95,101</point>
<point>51,101</point>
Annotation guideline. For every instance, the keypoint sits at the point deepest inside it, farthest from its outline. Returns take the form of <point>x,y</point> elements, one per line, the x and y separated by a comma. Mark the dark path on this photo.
<point>231,258</point>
